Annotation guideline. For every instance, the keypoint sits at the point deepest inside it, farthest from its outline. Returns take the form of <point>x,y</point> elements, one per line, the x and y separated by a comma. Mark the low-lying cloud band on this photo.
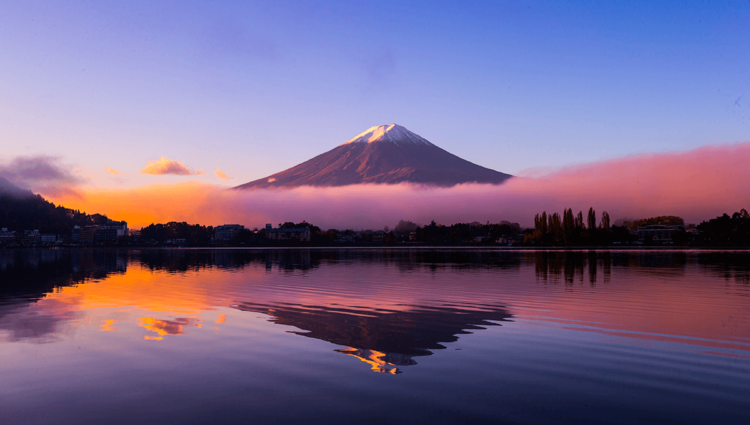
<point>696,185</point>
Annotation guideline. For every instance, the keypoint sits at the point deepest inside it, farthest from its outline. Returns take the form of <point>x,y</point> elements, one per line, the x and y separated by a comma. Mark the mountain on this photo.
<point>382,154</point>
<point>21,210</point>
<point>9,189</point>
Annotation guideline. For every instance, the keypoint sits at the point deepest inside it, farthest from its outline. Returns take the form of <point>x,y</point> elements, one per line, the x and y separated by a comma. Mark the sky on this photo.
<point>132,94</point>
<point>256,87</point>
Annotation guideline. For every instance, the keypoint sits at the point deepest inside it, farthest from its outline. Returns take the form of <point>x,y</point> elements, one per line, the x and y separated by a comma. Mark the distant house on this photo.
<point>658,232</point>
<point>31,237</point>
<point>7,237</point>
<point>226,232</point>
<point>300,234</point>
<point>75,235</point>
<point>87,234</point>
<point>105,234</point>
<point>120,227</point>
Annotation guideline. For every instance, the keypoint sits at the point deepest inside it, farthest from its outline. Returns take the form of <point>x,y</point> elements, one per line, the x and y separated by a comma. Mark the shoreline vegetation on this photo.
<point>26,218</point>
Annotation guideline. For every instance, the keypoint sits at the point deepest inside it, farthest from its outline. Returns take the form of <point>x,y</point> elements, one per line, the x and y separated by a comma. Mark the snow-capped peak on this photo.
<point>393,133</point>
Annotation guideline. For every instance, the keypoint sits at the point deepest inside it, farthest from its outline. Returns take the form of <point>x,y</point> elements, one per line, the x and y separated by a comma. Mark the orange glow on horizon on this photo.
<point>696,185</point>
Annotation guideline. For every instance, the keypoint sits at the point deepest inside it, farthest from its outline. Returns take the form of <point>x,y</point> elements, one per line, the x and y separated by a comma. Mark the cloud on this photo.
<point>168,166</point>
<point>43,174</point>
<point>697,185</point>
<point>222,175</point>
<point>112,171</point>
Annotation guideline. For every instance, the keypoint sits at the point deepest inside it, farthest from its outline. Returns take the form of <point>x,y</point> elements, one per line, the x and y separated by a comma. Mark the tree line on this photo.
<point>573,229</point>
<point>726,230</point>
<point>27,211</point>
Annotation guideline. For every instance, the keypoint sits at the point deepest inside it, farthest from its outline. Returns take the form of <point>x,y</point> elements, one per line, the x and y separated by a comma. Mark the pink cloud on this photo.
<point>168,166</point>
<point>696,185</point>
<point>112,171</point>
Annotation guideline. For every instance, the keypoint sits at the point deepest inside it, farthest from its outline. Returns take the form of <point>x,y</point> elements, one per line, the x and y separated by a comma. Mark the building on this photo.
<point>300,234</point>
<point>86,234</point>
<point>75,235</point>
<point>49,239</point>
<point>109,232</point>
<point>121,228</point>
<point>31,238</point>
<point>659,233</point>
<point>226,232</point>
<point>7,237</point>
<point>106,234</point>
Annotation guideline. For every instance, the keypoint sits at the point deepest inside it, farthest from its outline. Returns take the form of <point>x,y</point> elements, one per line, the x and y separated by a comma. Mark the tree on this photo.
<point>592,219</point>
<point>404,226</point>
<point>579,221</point>
<point>605,221</point>
<point>568,225</point>
<point>668,220</point>
<point>555,227</point>
<point>726,230</point>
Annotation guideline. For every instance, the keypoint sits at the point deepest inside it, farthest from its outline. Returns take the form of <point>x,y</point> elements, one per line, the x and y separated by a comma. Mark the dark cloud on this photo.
<point>41,174</point>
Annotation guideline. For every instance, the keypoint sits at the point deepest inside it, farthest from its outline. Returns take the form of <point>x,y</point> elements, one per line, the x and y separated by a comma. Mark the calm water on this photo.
<point>366,336</point>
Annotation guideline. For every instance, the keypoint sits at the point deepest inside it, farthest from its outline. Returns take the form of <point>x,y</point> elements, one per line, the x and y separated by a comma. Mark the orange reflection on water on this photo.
<point>151,290</point>
<point>373,358</point>
<point>107,325</point>
<point>166,327</point>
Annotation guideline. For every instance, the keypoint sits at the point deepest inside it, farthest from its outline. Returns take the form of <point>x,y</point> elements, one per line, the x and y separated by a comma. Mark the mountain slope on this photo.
<point>382,154</point>
<point>9,189</point>
<point>23,210</point>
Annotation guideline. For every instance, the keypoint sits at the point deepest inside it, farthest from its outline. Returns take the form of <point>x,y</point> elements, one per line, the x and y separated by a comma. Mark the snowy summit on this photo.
<point>393,133</point>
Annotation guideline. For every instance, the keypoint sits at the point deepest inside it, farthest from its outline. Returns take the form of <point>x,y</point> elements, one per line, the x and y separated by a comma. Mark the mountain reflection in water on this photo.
<point>383,339</point>
<point>486,336</point>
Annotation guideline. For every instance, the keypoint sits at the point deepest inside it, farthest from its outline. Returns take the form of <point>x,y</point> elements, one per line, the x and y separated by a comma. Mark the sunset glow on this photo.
<point>696,185</point>
<point>393,212</point>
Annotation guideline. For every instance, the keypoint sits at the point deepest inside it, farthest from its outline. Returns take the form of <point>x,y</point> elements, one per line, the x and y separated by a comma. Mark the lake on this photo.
<point>374,336</point>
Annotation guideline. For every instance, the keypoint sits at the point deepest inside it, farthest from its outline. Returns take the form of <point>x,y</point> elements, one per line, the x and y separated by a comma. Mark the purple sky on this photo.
<point>251,88</point>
